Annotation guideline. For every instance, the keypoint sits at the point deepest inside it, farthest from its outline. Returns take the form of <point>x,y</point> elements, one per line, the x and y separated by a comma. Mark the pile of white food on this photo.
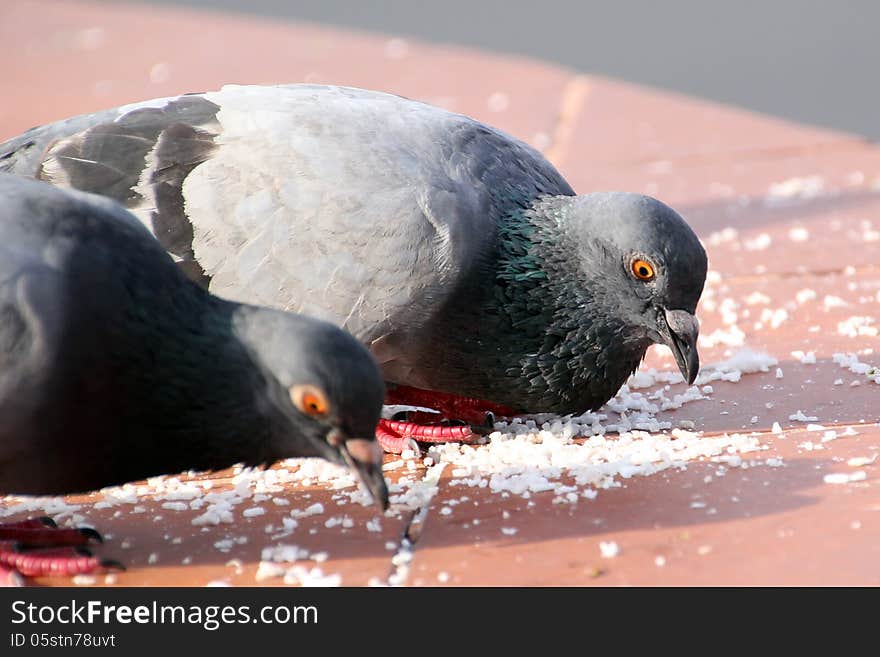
<point>532,455</point>
<point>524,460</point>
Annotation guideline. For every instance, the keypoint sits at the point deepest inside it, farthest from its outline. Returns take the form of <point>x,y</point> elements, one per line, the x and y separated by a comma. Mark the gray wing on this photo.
<point>137,155</point>
<point>362,208</point>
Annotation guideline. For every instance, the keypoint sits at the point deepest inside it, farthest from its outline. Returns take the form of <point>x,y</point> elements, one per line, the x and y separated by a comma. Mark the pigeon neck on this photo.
<point>579,356</point>
<point>200,360</point>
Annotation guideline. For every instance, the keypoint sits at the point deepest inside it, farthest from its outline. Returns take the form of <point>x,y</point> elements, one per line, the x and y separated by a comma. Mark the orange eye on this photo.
<point>309,399</point>
<point>642,269</point>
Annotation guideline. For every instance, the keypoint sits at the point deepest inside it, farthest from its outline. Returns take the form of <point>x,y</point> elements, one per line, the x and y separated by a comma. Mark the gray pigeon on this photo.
<point>457,253</point>
<point>115,367</point>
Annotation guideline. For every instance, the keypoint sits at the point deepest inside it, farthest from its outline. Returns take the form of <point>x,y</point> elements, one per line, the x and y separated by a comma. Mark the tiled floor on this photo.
<point>790,216</point>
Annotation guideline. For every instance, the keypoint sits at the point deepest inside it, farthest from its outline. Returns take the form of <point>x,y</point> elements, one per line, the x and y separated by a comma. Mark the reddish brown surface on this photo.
<point>718,166</point>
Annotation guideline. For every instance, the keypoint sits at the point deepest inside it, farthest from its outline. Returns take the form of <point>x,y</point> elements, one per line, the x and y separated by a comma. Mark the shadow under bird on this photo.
<point>458,254</point>
<point>115,367</point>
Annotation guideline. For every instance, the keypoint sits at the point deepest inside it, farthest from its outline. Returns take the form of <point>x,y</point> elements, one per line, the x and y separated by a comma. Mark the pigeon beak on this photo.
<point>679,330</point>
<point>365,458</point>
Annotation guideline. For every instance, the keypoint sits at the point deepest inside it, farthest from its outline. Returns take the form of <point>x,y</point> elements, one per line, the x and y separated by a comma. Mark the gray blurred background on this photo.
<point>805,60</point>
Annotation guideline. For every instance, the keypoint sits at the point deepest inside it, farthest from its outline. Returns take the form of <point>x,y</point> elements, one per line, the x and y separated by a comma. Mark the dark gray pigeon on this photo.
<point>115,367</point>
<point>457,253</point>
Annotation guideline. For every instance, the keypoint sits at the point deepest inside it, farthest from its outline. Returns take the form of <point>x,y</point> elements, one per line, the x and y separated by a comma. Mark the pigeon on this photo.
<point>455,252</point>
<point>114,367</point>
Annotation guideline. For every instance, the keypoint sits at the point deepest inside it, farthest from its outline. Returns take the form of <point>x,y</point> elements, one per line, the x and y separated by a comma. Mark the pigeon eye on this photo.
<point>309,400</point>
<point>642,269</point>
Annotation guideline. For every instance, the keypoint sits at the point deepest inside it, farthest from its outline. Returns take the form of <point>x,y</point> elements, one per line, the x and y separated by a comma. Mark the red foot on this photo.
<point>64,555</point>
<point>451,407</point>
<point>392,441</point>
<point>396,436</point>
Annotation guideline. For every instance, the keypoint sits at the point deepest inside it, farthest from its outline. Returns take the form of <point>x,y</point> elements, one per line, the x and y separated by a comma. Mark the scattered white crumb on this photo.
<point>609,549</point>
<point>758,243</point>
<point>775,317</point>
<point>798,234</point>
<point>315,509</point>
<point>805,295</point>
<point>859,461</point>
<point>830,301</point>
<point>808,358</point>
<point>303,576</point>
<point>858,326</point>
<point>224,545</point>
<point>800,417</point>
<point>795,188</point>
<point>844,477</point>
<point>853,364</point>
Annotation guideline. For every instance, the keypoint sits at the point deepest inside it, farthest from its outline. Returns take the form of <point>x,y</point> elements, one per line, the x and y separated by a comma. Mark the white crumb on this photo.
<point>845,478</point>
<point>609,549</point>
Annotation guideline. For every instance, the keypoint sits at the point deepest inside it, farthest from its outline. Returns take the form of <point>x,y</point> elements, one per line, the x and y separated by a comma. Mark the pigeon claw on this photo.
<point>37,547</point>
<point>395,436</point>
<point>91,534</point>
<point>112,564</point>
<point>464,420</point>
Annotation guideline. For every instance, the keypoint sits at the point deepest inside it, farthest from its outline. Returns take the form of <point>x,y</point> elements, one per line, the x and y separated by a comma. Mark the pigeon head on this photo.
<point>644,269</point>
<point>324,385</point>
